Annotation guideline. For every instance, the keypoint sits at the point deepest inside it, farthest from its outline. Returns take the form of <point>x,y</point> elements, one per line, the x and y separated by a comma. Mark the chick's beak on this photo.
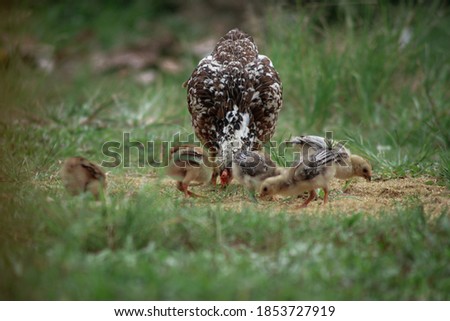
<point>369,178</point>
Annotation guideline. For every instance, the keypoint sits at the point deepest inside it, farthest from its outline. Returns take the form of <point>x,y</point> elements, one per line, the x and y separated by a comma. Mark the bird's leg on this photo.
<point>214,178</point>
<point>325,196</point>
<point>192,194</point>
<point>312,195</point>
<point>184,188</point>
<point>190,176</point>
<point>180,187</point>
<point>212,163</point>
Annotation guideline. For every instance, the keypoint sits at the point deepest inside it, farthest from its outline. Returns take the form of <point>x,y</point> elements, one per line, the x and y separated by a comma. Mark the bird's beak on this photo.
<point>369,178</point>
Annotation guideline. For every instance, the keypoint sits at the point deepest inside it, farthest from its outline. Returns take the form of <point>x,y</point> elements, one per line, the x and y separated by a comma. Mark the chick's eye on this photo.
<point>365,170</point>
<point>265,189</point>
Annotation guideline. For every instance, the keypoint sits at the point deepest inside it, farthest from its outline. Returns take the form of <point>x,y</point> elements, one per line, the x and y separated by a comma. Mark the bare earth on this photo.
<point>360,196</point>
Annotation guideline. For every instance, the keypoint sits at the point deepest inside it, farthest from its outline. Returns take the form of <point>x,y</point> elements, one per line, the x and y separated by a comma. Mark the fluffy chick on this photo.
<point>188,163</point>
<point>305,176</point>
<point>348,166</point>
<point>251,168</point>
<point>80,175</point>
<point>354,166</point>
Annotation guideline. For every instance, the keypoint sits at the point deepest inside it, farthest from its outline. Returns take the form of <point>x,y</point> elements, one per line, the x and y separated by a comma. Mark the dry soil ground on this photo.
<point>374,197</point>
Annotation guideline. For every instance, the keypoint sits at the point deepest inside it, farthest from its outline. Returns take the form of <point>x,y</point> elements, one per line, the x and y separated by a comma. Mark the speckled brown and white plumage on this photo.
<point>234,97</point>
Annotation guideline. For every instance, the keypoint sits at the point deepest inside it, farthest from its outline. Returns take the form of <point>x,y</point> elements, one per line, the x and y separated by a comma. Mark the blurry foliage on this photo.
<point>118,19</point>
<point>342,69</point>
<point>109,20</point>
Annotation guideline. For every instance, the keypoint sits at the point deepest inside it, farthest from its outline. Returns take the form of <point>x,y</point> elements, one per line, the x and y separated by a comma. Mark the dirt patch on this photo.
<point>384,196</point>
<point>369,197</point>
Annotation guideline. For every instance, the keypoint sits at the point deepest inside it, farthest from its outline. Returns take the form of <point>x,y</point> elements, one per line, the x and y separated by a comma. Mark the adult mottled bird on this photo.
<point>234,97</point>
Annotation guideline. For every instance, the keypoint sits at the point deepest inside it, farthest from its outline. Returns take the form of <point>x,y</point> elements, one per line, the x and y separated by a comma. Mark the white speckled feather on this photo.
<point>234,96</point>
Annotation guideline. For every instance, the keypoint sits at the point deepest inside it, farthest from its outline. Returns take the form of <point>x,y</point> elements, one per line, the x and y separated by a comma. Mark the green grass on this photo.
<point>342,71</point>
<point>148,248</point>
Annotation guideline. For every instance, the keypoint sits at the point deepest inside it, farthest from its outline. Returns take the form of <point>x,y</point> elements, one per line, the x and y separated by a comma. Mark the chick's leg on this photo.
<point>192,194</point>
<point>190,176</point>
<point>215,169</point>
<point>312,195</point>
<point>183,188</point>
<point>214,178</point>
<point>325,196</point>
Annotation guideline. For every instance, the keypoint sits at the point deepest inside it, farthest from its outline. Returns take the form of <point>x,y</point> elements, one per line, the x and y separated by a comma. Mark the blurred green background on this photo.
<point>75,74</point>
